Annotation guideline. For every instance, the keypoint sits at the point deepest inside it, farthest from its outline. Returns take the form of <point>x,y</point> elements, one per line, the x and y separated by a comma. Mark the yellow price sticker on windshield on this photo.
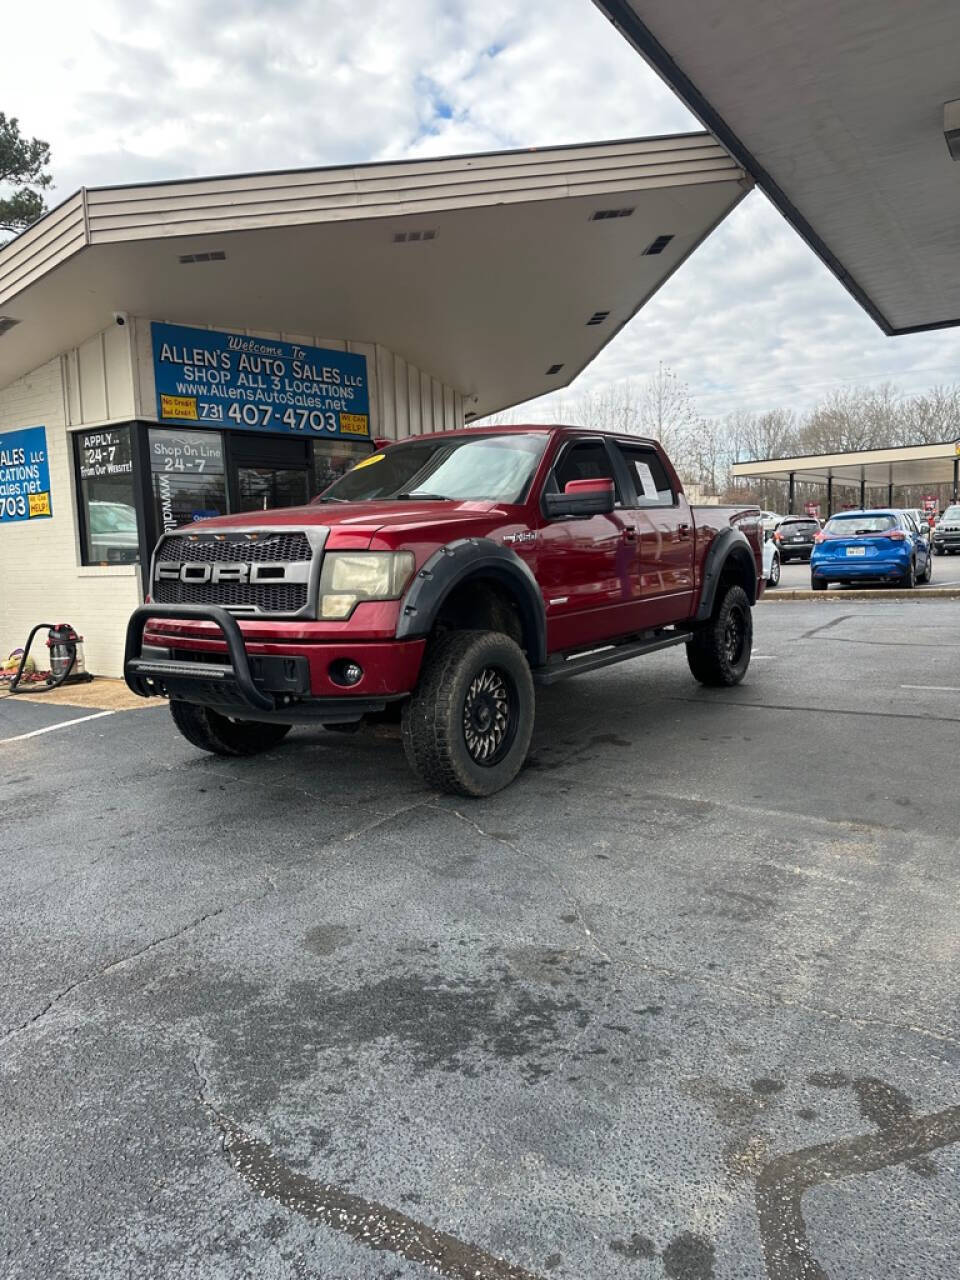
<point>368,462</point>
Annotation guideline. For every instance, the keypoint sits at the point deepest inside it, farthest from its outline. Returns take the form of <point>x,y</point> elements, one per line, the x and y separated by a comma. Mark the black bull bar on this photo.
<point>141,673</point>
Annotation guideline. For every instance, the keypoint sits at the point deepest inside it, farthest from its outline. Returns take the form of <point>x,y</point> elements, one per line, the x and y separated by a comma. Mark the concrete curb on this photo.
<point>887,593</point>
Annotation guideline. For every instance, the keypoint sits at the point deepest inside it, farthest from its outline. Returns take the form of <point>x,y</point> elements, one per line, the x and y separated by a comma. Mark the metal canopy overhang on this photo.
<point>501,288</point>
<point>914,465</point>
<point>835,107</point>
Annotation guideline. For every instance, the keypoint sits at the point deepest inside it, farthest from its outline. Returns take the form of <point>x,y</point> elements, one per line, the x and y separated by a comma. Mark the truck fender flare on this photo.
<point>729,549</point>
<point>469,558</point>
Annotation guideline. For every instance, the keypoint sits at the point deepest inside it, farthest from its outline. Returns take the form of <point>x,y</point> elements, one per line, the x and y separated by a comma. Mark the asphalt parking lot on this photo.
<point>679,1003</point>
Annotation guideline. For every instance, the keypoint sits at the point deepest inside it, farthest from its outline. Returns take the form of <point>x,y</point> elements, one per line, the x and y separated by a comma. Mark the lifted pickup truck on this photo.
<point>439,581</point>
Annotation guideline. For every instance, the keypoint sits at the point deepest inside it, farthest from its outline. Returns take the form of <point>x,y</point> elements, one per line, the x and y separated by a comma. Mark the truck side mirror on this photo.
<point>581,498</point>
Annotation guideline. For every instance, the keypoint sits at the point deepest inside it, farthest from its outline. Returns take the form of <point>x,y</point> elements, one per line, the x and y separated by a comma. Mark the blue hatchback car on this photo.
<point>870,546</point>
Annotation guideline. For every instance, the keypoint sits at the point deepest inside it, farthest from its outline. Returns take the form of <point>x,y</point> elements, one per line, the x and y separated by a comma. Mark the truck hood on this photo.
<point>365,519</point>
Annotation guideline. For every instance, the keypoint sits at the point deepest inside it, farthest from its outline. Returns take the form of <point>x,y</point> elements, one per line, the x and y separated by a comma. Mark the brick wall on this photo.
<point>41,579</point>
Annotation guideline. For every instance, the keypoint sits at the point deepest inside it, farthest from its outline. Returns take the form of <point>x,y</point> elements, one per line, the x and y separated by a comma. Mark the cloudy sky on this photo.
<point>128,92</point>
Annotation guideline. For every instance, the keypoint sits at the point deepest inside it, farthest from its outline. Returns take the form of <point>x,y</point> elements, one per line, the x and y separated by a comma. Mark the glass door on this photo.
<point>263,488</point>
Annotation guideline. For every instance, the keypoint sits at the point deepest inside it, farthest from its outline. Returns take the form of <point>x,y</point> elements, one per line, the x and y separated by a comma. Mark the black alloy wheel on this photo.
<point>910,577</point>
<point>490,716</point>
<point>734,634</point>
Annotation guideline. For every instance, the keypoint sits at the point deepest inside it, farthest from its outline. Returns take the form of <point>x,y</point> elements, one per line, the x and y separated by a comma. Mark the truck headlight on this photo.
<point>348,577</point>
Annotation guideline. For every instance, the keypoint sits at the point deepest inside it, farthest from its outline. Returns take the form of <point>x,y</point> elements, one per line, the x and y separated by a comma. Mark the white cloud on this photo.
<point>169,88</point>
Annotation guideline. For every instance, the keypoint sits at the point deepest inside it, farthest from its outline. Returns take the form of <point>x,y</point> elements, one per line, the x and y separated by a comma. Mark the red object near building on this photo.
<point>439,580</point>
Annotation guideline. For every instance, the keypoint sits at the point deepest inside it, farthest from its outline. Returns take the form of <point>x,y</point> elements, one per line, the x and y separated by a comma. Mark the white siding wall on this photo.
<point>41,579</point>
<point>99,378</point>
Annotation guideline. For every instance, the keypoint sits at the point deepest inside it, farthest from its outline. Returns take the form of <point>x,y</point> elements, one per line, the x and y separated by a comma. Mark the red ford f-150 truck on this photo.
<point>442,578</point>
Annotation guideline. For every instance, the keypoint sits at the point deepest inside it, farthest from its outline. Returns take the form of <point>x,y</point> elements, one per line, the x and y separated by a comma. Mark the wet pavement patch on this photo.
<point>373,1225</point>
<point>636,1247</point>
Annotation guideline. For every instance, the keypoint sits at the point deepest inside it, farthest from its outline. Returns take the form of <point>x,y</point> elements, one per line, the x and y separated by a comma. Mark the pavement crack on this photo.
<point>570,897</point>
<point>114,965</point>
<point>267,874</point>
<point>368,1223</point>
<point>740,991</point>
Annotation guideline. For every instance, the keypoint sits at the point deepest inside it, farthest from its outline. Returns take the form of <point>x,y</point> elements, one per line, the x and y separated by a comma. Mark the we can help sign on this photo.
<point>24,475</point>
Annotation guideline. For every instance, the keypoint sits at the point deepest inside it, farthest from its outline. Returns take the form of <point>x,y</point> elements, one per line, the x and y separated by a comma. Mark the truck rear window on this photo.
<point>850,526</point>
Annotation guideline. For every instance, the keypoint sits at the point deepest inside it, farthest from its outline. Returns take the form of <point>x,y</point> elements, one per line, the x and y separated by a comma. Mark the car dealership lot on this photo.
<point>677,1003</point>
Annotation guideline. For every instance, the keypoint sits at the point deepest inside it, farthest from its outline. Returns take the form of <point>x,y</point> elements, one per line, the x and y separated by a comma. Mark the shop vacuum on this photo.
<point>66,659</point>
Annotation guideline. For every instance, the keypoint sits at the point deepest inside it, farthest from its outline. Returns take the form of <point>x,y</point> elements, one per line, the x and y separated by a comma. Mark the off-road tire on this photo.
<point>719,653</point>
<point>210,731</point>
<point>818,584</point>
<point>434,723</point>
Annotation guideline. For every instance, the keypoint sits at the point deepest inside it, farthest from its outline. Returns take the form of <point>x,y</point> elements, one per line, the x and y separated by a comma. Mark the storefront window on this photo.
<point>105,467</point>
<point>334,458</point>
<point>188,477</point>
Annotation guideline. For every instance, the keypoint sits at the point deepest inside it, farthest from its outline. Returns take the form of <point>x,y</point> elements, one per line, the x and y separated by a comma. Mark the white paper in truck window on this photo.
<point>644,475</point>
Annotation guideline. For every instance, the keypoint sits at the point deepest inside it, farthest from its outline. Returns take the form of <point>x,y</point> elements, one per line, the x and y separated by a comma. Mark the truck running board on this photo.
<point>576,664</point>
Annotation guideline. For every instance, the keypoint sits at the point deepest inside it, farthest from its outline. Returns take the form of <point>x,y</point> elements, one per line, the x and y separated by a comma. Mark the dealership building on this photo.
<point>178,350</point>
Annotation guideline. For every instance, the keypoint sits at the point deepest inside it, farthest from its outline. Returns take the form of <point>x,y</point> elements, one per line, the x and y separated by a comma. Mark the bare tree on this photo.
<point>702,449</point>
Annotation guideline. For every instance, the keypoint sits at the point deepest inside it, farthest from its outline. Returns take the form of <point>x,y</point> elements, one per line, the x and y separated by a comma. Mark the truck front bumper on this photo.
<point>290,683</point>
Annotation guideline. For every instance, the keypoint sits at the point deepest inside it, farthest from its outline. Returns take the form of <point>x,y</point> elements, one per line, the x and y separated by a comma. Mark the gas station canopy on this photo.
<point>843,112</point>
<point>924,464</point>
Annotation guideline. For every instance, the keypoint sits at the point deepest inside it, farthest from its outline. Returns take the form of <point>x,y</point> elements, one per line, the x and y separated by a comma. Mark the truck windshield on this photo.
<point>481,468</point>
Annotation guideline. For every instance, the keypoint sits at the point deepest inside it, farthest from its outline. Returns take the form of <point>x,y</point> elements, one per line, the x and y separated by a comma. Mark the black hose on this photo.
<point>51,684</point>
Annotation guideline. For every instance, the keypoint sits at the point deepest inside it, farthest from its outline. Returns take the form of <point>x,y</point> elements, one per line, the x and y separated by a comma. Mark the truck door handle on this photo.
<point>629,534</point>
<point>683,530</point>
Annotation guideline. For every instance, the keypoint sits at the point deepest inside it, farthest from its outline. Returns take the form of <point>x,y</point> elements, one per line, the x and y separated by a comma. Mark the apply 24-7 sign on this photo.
<point>24,475</point>
<point>258,384</point>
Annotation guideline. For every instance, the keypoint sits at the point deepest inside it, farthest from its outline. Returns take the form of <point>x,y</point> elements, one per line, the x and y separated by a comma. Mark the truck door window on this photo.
<point>585,460</point>
<point>648,475</point>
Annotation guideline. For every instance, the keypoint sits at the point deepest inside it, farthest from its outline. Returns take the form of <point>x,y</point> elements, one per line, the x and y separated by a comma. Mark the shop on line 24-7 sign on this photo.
<point>24,475</point>
<point>258,384</point>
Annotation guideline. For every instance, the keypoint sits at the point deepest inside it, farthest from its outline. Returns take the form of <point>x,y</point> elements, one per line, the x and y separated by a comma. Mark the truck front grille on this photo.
<point>248,571</point>
<point>208,548</point>
<point>239,597</point>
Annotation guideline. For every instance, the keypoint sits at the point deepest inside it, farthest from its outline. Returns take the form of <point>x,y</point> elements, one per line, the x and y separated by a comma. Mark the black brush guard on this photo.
<point>232,686</point>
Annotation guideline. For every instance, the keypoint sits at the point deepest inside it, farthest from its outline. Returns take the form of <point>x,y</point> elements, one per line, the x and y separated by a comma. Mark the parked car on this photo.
<point>771,562</point>
<point>922,520</point>
<point>113,532</point>
<point>946,533</point>
<point>795,536</point>
<point>441,578</point>
<point>769,520</point>
<point>863,546</point>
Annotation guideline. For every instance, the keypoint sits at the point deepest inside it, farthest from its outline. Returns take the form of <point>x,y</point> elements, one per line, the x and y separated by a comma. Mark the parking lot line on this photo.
<point>62,724</point>
<point>933,688</point>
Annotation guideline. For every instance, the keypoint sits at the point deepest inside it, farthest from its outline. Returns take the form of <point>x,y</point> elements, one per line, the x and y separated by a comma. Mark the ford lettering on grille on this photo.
<point>198,571</point>
<point>248,571</point>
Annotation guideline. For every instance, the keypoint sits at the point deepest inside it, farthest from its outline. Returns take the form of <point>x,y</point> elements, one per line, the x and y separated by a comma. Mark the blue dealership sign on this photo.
<point>258,384</point>
<point>24,475</point>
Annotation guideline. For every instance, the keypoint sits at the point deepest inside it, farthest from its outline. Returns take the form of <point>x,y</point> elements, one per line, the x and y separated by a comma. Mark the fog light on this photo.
<point>345,672</point>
